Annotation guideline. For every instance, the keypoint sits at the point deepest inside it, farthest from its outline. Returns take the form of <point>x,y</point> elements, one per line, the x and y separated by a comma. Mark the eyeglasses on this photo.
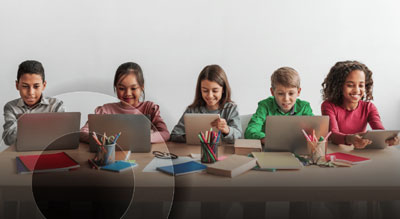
<point>164,155</point>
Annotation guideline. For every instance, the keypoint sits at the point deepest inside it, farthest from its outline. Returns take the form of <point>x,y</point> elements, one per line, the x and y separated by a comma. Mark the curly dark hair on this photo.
<point>332,87</point>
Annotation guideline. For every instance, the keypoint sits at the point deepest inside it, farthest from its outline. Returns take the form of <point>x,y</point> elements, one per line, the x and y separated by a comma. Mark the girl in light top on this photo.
<point>213,95</point>
<point>129,86</point>
<point>347,91</point>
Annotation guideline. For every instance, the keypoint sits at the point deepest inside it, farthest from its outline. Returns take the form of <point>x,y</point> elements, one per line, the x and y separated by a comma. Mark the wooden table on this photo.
<point>378,179</point>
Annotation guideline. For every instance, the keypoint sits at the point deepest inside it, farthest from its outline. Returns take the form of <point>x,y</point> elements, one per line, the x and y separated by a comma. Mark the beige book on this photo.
<point>277,160</point>
<point>246,146</point>
<point>232,166</point>
<point>122,155</point>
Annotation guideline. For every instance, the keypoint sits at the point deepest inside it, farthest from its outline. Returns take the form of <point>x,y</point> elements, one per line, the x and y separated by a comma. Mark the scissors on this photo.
<point>164,155</point>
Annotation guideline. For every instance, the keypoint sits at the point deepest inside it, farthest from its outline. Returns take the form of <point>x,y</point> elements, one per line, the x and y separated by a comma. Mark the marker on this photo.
<point>116,138</point>
<point>95,138</point>
<point>305,135</point>
<point>327,136</point>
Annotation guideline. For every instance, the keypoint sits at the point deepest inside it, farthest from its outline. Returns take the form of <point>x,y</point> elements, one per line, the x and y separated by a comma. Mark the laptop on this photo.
<point>196,123</point>
<point>283,133</point>
<point>48,131</point>
<point>135,131</point>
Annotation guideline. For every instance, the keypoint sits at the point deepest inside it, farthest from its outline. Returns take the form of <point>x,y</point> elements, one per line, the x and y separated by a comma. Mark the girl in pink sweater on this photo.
<point>129,86</point>
<point>347,91</point>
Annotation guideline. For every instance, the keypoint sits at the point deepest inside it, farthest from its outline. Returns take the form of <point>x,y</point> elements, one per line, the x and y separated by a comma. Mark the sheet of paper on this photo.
<point>158,162</point>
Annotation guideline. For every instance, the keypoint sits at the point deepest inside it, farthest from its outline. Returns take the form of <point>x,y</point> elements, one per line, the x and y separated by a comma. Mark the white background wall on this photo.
<point>81,44</point>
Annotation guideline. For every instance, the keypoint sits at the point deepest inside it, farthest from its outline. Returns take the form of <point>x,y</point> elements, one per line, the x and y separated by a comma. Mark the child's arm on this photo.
<point>178,133</point>
<point>10,126</point>
<point>229,125</point>
<point>374,119</point>
<point>161,132</point>
<point>256,126</point>
<point>233,122</point>
<point>337,137</point>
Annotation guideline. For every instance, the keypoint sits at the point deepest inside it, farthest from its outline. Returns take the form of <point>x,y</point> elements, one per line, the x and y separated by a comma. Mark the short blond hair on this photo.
<point>285,76</point>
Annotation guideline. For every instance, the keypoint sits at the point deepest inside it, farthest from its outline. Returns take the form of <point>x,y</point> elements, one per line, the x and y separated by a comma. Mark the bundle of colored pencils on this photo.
<point>112,139</point>
<point>209,141</point>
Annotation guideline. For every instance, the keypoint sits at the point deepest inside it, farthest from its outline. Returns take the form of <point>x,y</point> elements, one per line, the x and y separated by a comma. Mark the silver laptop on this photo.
<point>135,131</point>
<point>48,131</point>
<point>196,123</point>
<point>283,133</point>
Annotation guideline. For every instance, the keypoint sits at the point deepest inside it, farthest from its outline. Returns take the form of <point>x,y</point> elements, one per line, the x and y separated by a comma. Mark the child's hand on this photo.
<point>392,141</point>
<point>221,125</point>
<point>357,141</point>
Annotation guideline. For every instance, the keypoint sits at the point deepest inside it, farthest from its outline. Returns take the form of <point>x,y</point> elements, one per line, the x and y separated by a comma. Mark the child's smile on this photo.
<point>211,93</point>
<point>353,89</point>
<point>128,90</point>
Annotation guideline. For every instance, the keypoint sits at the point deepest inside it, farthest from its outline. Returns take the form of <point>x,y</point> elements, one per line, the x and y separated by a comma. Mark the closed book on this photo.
<point>232,166</point>
<point>347,158</point>
<point>47,162</point>
<point>119,166</point>
<point>246,146</point>
<point>277,161</point>
<point>182,168</point>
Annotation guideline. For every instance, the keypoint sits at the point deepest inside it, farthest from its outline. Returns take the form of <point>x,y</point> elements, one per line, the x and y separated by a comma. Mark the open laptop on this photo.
<point>135,130</point>
<point>48,131</point>
<point>283,133</point>
<point>196,123</point>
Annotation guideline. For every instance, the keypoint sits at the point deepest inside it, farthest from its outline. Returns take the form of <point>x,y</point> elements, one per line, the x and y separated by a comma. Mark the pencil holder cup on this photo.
<point>209,152</point>
<point>106,154</point>
<point>316,150</point>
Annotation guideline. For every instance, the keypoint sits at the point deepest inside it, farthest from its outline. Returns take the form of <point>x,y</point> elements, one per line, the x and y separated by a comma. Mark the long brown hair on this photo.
<point>332,87</point>
<point>216,74</point>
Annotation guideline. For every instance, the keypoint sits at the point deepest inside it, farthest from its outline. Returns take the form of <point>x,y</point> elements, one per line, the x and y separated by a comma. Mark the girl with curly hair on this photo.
<point>347,91</point>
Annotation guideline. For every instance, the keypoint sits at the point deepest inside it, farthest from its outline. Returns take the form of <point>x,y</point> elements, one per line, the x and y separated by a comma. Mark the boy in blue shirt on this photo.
<point>30,83</point>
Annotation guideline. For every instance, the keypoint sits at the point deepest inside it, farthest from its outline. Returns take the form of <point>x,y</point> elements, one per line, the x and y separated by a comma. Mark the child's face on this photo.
<point>354,87</point>
<point>211,92</point>
<point>30,87</point>
<point>129,90</point>
<point>285,96</point>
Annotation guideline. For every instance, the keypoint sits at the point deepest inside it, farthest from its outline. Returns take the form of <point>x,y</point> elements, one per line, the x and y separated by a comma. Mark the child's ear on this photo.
<point>44,85</point>
<point>298,90</point>
<point>272,91</point>
<point>16,85</point>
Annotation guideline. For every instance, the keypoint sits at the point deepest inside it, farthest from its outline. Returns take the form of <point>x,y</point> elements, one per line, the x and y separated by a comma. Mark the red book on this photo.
<point>347,158</point>
<point>48,162</point>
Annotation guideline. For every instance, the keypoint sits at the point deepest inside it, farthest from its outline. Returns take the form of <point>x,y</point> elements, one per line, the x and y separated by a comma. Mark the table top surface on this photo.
<point>381,173</point>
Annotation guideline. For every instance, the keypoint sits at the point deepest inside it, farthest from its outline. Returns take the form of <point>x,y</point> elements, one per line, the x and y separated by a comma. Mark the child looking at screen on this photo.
<point>285,89</point>
<point>213,95</point>
<point>30,83</point>
<point>347,91</point>
<point>129,86</point>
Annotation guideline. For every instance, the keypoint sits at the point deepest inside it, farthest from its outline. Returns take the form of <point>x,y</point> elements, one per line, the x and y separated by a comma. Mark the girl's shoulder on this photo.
<point>108,108</point>
<point>230,105</point>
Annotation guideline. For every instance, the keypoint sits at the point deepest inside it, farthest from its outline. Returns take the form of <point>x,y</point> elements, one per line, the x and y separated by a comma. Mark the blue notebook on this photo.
<point>119,166</point>
<point>182,168</point>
